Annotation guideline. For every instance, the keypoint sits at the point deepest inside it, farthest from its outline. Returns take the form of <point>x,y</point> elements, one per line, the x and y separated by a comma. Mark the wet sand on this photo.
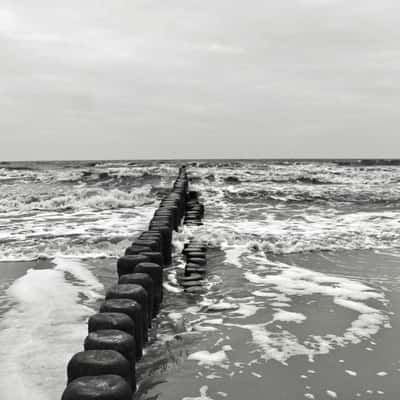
<point>177,365</point>
<point>367,370</point>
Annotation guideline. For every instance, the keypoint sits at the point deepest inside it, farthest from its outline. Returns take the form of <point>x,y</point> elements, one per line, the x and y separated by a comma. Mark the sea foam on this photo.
<point>44,329</point>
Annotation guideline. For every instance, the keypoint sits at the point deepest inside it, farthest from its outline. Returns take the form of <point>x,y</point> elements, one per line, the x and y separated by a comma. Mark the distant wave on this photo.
<point>368,162</point>
<point>77,199</point>
<point>86,208</point>
<point>290,196</point>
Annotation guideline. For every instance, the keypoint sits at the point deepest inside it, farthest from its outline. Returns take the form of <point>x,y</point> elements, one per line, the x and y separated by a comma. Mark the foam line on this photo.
<point>47,326</point>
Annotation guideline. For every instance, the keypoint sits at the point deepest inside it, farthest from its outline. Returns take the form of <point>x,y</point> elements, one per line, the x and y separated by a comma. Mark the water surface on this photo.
<point>301,299</point>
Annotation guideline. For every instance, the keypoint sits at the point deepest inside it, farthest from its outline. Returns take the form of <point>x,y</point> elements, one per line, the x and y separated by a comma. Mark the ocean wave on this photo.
<point>303,232</point>
<point>84,233</point>
<point>120,176</point>
<point>85,172</point>
<point>280,207</point>
<point>368,162</point>
<point>51,247</point>
<point>77,199</point>
<point>292,194</point>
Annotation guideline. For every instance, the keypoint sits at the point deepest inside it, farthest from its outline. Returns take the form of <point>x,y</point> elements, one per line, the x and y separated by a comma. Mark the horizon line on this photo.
<point>208,159</point>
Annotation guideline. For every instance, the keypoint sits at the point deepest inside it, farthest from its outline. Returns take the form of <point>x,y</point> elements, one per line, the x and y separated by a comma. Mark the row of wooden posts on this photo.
<point>106,368</point>
<point>195,250</point>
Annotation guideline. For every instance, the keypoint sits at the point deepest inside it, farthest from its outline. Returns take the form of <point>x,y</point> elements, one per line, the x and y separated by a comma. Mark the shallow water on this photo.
<point>301,299</point>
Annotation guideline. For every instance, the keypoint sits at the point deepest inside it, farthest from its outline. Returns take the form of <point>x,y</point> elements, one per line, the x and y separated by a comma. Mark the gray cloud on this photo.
<point>151,79</point>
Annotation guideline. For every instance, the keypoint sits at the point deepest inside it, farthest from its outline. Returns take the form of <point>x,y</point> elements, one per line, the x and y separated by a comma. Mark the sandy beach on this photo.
<point>201,351</point>
<point>249,366</point>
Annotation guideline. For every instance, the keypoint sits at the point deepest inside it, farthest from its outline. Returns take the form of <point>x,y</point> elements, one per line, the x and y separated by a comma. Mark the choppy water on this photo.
<point>301,299</point>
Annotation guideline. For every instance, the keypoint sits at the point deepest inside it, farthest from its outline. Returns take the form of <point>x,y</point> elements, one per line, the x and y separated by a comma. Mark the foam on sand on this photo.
<point>276,287</point>
<point>279,346</point>
<point>350,372</point>
<point>209,359</point>
<point>47,326</point>
<point>382,373</point>
<point>203,395</point>
<point>331,394</point>
<point>246,310</point>
<point>279,287</point>
<point>287,316</point>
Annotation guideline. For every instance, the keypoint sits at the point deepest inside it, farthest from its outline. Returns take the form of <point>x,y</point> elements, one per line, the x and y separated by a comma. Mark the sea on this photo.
<point>301,299</point>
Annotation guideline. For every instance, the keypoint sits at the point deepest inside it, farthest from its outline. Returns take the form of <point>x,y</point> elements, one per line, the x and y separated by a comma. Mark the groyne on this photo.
<point>194,252</point>
<point>117,334</point>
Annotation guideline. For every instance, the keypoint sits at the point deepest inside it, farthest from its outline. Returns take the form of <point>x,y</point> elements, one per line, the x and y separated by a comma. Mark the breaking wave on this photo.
<point>279,207</point>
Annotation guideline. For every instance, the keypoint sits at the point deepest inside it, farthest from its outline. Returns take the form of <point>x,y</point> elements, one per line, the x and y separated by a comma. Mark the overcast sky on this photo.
<point>207,78</point>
